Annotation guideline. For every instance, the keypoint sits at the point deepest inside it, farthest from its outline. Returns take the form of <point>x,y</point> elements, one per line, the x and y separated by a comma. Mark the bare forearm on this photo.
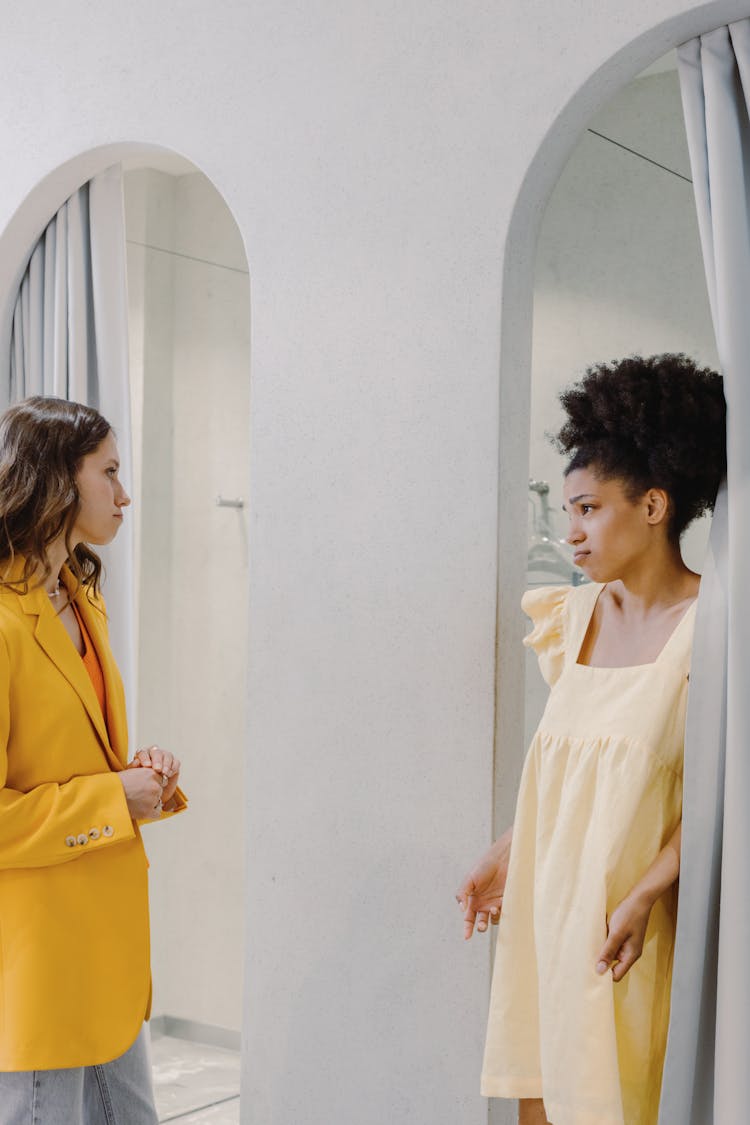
<point>662,873</point>
<point>628,923</point>
<point>480,895</point>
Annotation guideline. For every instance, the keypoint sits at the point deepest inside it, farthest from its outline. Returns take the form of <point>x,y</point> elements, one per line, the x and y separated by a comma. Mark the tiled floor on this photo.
<point>194,1083</point>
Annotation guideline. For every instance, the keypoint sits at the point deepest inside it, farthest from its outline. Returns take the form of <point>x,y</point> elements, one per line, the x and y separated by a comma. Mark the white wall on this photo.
<point>189,305</point>
<point>618,272</point>
<point>387,165</point>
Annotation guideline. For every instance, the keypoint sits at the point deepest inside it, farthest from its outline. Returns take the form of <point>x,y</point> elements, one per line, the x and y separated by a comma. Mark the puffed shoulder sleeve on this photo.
<point>547,609</point>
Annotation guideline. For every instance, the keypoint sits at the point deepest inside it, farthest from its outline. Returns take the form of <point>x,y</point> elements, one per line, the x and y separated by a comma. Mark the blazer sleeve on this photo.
<point>180,804</point>
<point>48,824</point>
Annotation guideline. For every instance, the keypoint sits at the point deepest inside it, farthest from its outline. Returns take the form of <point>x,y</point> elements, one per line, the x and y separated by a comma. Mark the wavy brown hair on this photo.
<point>42,443</point>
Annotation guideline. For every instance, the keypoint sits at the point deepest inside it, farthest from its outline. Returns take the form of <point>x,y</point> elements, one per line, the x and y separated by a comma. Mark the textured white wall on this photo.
<point>387,165</point>
<point>189,297</point>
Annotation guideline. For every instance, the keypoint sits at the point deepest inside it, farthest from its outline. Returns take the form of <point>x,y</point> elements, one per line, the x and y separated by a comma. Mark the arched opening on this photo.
<point>188,294</point>
<point>188,287</point>
<point>537,297</point>
<point>542,176</point>
<point>618,271</point>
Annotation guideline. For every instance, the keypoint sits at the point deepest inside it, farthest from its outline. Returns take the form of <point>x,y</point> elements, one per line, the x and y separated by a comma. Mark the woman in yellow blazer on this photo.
<point>75,980</point>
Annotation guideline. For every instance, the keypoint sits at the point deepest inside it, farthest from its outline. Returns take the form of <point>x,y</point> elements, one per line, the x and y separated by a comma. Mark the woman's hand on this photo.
<point>626,933</point>
<point>153,757</point>
<point>627,926</point>
<point>480,896</point>
<point>143,792</point>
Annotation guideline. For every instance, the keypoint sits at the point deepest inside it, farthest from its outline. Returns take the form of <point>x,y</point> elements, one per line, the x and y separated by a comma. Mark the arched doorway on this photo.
<point>188,284</point>
<point>691,332</point>
<point>542,175</point>
<point>188,287</point>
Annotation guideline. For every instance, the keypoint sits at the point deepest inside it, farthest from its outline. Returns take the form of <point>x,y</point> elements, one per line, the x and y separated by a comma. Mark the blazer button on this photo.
<point>71,841</point>
<point>94,833</point>
<point>83,838</point>
<point>108,830</point>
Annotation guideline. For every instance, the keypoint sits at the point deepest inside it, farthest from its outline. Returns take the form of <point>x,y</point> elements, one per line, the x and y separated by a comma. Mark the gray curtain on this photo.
<point>70,339</point>
<point>707,1069</point>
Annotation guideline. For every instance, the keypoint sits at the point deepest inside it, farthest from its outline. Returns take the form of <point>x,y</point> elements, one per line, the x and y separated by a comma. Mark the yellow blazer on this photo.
<point>75,979</point>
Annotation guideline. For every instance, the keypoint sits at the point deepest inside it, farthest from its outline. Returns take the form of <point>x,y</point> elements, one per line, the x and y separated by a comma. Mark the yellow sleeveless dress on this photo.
<point>600,795</point>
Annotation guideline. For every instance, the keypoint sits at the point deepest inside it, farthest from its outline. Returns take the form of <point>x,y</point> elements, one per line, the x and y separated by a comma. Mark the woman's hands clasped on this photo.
<point>150,781</point>
<point>480,896</point>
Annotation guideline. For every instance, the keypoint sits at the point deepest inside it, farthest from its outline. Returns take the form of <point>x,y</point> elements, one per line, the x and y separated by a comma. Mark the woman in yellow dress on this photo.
<point>75,982</point>
<point>584,885</point>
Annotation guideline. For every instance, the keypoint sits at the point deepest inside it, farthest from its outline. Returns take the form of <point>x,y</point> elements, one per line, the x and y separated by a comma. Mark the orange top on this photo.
<point>91,662</point>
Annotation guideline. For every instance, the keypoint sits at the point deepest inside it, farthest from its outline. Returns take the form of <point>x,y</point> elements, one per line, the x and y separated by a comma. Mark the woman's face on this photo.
<point>102,497</point>
<point>611,533</point>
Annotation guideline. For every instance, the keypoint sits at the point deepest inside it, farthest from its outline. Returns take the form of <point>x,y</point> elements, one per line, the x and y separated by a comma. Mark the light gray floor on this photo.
<point>194,1083</point>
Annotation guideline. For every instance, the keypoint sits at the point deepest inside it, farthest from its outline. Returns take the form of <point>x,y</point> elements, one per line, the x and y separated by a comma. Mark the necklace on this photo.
<point>56,592</point>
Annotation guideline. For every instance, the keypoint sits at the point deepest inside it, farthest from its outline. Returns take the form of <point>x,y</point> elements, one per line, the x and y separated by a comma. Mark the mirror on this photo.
<point>189,354</point>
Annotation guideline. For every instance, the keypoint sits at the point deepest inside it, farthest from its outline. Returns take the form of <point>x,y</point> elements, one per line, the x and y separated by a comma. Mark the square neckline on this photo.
<point>626,667</point>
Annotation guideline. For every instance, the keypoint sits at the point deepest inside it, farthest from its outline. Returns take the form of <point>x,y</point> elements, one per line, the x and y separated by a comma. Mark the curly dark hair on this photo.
<point>652,422</point>
<point>42,444</point>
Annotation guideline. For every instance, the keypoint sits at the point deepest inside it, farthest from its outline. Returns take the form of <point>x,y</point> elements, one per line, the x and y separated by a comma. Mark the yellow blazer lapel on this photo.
<point>51,634</point>
<point>95,620</point>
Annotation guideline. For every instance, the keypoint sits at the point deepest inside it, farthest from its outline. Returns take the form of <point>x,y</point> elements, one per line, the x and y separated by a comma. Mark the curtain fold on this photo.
<point>706,1075</point>
<point>70,339</point>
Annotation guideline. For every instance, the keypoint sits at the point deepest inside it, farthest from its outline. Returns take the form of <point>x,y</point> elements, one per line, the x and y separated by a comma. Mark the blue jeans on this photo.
<point>115,1093</point>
